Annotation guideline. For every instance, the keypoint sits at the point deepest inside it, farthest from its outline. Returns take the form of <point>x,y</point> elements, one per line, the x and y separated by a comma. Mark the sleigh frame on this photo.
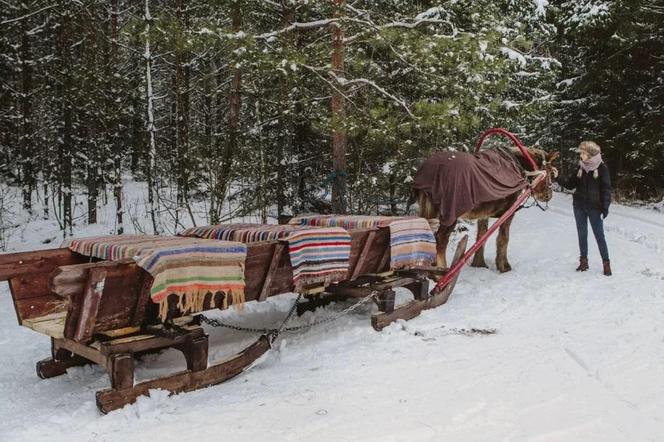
<point>100,312</point>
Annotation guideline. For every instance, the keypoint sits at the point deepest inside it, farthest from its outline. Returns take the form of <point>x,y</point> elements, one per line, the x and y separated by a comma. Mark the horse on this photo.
<point>495,208</point>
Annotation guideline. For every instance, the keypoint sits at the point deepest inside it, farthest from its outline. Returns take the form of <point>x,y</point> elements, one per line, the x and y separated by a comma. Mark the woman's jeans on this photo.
<point>582,216</point>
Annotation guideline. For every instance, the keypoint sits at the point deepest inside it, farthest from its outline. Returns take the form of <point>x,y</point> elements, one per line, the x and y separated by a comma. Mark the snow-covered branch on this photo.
<point>364,81</point>
<point>397,24</point>
<point>13,20</point>
<point>296,26</point>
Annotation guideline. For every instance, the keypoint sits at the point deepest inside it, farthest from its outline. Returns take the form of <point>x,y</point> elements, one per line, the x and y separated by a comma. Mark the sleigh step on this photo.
<point>422,300</point>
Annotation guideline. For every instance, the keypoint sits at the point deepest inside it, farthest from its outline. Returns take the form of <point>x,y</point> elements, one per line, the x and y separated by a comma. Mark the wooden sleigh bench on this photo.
<point>100,312</point>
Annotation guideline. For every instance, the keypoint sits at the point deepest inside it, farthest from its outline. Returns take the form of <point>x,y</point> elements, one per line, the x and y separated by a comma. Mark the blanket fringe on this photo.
<point>195,302</point>
<point>305,281</point>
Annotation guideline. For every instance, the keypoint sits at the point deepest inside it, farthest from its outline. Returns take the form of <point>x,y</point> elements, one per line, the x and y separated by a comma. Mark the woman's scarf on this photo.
<point>590,165</point>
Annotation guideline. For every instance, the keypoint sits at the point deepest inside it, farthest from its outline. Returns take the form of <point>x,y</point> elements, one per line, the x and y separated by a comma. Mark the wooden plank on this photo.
<point>257,264</point>
<point>76,275</point>
<point>119,301</point>
<point>385,260</point>
<point>366,248</point>
<point>92,295</point>
<point>28,275</point>
<point>313,289</point>
<point>36,307</point>
<point>272,270</point>
<point>360,292</point>
<point>120,332</point>
<point>143,300</point>
<point>82,350</point>
<point>35,262</point>
<point>135,344</point>
<point>110,399</point>
<point>52,325</point>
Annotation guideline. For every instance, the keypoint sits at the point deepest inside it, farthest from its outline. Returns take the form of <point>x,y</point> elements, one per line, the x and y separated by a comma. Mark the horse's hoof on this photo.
<point>504,268</point>
<point>479,264</point>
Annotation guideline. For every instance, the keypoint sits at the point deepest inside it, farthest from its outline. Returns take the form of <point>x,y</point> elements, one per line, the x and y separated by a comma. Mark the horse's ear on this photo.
<point>552,156</point>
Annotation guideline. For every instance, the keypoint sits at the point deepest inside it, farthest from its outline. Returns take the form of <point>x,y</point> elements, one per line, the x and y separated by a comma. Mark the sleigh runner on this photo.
<point>102,311</point>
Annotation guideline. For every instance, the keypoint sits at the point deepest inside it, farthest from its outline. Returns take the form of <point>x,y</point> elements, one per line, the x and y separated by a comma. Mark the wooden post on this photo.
<point>121,371</point>
<point>94,289</point>
<point>386,301</point>
<point>274,265</point>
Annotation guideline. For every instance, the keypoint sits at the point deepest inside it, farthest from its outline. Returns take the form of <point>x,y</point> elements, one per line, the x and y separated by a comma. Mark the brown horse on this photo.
<point>491,209</point>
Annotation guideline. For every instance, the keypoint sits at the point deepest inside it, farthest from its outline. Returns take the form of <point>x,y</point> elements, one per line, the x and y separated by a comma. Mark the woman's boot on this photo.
<point>607,268</point>
<point>583,264</point>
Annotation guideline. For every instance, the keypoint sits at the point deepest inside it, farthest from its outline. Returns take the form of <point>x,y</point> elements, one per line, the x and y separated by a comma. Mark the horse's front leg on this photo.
<point>501,245</point>
<point>478,259</point>
<point>442,240</point>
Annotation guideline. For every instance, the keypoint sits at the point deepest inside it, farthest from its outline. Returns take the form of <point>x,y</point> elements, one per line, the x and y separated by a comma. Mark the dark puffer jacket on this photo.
<point>591,192</point>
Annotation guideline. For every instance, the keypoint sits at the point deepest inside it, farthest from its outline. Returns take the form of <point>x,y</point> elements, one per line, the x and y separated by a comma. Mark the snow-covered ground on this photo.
<point>576,357</point>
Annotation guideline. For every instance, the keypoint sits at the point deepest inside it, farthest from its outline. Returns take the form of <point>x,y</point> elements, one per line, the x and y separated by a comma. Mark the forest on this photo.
<point>225,108</point>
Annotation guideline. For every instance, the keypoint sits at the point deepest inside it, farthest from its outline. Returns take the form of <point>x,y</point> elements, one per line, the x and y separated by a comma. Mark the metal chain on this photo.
<point>274,332</point>
<point>333,318</point>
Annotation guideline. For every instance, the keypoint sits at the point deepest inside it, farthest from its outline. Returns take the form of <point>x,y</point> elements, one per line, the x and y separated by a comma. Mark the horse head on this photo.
<point>545,161</point>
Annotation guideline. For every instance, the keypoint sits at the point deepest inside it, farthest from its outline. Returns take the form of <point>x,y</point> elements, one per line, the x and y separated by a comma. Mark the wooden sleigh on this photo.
<point>101,312</point>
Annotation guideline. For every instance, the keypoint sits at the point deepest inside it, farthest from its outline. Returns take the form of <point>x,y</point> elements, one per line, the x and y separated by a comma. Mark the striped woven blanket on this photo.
<point>317,254</point>
<point>412,243</point>
<point>187,267</point>
<point>244,233</point>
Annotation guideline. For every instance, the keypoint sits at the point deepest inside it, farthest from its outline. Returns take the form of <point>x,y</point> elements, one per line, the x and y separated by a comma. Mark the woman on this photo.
<point>591,201</point>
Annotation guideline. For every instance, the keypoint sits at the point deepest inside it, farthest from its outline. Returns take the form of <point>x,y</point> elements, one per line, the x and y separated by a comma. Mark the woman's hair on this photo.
<point>590,147</point>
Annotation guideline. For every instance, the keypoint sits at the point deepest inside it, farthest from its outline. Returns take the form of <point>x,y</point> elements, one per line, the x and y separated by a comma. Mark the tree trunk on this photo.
<point>182,107</point>
<point>152,149</point>
<point>66,96</point>
<point>115,123</point>
<point>91,177</point>
<point>26,139</point>
<point>338,117</point>
<point>235,98</point>
<point>231,145</point>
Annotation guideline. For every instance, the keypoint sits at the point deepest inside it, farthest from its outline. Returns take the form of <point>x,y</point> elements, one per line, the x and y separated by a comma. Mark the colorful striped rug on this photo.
<point>187,267</point>
<point>242,232</point>
<point>317,254</point>
<point>412,243</point>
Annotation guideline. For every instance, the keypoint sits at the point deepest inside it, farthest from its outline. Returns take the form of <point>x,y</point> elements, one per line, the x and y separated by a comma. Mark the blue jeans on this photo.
<point>582,216</point>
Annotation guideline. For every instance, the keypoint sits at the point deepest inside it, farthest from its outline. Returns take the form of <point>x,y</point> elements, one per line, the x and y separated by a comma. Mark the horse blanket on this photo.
<point>412,243</point>
<point>457,182</point>
<point>187,267</point>
<point>317,254</point>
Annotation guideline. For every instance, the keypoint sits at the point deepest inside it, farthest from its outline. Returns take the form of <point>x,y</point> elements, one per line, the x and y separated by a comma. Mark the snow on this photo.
<point>540,7</point>
<point>576,357</point>
<point>514,55</point>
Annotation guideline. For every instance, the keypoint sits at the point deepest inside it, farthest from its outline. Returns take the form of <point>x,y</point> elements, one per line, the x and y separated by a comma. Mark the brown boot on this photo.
<point>583,264</point>
<point>607,268</point>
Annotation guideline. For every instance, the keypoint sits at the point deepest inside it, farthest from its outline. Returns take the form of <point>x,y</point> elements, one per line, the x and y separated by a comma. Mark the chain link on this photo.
<point>333,318</point>
<point>274,332</point>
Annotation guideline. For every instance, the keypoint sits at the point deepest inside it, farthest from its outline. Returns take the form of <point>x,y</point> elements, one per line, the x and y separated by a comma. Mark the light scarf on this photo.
<point>590,165</point>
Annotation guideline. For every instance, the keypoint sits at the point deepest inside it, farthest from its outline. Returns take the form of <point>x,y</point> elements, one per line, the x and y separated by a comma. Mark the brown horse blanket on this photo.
<point>457,182</point>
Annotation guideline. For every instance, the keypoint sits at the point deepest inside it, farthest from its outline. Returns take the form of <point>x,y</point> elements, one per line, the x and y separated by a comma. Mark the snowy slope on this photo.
<point>576,357</point>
